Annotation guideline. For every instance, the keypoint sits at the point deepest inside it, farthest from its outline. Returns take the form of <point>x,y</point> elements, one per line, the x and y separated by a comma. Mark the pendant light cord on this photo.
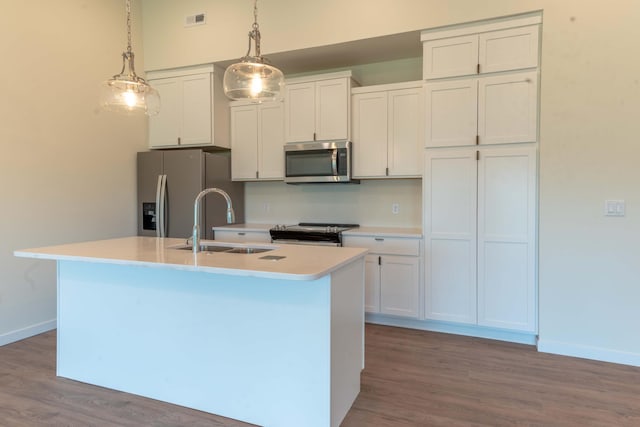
<point>129,27</point>
<point>254,35</point>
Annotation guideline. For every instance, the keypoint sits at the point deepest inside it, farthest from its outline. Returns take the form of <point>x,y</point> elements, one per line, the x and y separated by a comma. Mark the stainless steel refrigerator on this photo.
<point>168,183</point>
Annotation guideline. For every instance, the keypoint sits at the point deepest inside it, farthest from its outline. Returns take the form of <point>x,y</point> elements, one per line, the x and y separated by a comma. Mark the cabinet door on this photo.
<point>332,109</point>
<point>406,123</point>
<point>450,57</point>
<point>369,134</point>
<point>164,128</point>
<point>450,235</point>
<point>506,238</point>
<point>508,108</point>
<point>196,110</point>
<point>451,113</point>
<point>399,286</point>
<point>271,140</point>
<point>244,142</point>
<point>234,236</point>
<point>372,284</point>
<point>511,49</point>
<point>300,114</point>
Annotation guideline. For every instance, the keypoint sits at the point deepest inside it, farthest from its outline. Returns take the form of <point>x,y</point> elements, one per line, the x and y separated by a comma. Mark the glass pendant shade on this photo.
<point>253,78</point>
<point>129,94</point>
<point>250,79</point>
<point>126,92</point>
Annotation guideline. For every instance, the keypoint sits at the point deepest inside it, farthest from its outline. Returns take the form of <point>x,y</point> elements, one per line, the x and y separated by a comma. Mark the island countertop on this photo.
<point>298,262</point>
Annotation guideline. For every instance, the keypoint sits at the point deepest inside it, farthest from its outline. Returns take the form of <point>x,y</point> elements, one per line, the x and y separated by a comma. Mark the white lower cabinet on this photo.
<point>392,274</point>
<point>480,228</point>
<point>238,236</point>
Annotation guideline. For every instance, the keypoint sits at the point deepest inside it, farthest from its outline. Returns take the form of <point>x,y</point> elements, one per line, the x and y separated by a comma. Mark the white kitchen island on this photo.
<point>270,342</point>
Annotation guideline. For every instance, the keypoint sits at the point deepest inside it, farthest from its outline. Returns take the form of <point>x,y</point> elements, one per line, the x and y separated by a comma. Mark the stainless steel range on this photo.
<point>309,233</point>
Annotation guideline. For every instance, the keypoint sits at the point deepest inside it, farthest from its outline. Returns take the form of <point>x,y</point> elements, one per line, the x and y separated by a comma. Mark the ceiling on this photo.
<point>358,52</point>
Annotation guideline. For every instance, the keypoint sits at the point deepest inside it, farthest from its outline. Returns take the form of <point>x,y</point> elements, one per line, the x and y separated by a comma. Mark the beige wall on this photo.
<point>589,272</point>
<point>67,172</point>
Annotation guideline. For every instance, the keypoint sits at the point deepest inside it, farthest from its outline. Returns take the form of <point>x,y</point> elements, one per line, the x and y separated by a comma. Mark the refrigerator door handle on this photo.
<point>161,206</point>
<point>159,215</point>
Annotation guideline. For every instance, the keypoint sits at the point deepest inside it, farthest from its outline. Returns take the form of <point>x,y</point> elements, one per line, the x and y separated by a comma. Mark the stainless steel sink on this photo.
<point>248,250</point>
<point>213,247</point>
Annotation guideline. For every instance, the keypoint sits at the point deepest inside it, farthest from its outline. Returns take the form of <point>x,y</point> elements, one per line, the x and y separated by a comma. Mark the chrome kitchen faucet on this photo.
<point>231,217</point>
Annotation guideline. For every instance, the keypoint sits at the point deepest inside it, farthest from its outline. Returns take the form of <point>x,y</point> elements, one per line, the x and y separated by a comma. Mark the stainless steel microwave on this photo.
<point>309,162</point>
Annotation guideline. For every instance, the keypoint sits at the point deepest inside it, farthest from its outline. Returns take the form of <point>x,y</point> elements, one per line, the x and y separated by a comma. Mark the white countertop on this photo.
<point>299,262</point>
<point>385,231</point>
<point>413,232</point>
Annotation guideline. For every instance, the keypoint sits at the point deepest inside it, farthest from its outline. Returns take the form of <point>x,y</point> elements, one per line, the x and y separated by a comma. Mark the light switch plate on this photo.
<point>614,207</point>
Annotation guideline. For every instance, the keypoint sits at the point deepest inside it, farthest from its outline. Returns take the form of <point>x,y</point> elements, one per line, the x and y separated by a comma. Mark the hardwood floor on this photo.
<point>412,378</point>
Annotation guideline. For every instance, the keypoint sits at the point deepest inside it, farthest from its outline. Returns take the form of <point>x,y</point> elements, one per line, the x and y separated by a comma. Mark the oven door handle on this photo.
<point>334,162</point>
<point>304,242</point>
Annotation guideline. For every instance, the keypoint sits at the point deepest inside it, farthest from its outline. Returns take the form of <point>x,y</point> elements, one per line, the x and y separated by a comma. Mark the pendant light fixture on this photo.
<point>126,92</point>
<point>253,78</point>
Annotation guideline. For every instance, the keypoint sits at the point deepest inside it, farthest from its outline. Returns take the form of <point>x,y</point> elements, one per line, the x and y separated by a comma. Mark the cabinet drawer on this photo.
<point>384,245</point>
<point>242,236</point>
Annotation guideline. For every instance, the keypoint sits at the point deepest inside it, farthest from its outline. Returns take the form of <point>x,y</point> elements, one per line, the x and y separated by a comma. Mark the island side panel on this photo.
<point>347,337</point>
<point>248,348</point>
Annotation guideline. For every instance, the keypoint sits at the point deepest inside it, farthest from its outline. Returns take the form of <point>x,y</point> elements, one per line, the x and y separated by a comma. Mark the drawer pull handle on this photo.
<point>241,233</point>
<point>379,239</point>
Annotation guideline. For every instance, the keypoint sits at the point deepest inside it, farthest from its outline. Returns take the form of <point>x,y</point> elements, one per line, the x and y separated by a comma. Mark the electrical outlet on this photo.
<point>395,208</point>
<point>614,207</point>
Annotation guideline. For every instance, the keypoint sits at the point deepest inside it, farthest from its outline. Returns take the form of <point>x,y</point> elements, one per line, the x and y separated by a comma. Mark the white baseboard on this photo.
<point>453,328</point>
<point>587,352</point>
<point>27,332</point>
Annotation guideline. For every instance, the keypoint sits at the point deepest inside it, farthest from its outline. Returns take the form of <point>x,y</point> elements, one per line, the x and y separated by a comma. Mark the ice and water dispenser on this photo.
<point>148,216</point>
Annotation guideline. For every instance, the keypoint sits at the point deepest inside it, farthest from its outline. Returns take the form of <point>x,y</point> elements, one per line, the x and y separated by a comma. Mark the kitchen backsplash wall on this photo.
<point>369,203</point>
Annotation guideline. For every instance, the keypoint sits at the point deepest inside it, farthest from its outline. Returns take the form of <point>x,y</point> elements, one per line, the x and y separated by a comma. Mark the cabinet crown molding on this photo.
<point>319,77</point>
<point>481,26</point>
<point>182,71</point>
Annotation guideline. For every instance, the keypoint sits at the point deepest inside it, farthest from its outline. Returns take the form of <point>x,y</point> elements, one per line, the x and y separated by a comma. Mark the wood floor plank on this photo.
<point>411,378</point>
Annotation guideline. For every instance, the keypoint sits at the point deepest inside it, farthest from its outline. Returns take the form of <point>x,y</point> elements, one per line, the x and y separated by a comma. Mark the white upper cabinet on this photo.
<point>388,129</point>
<point>257,140</point>
<point>244,142</point>
<point>512,49</point>
<point>508,108</point>
<point>450,57</point>
<point>370,128</point>
<point>491,48</point>
<point>451,112</point>
<point>300,106</point>
<point>494,109</point>
<point>317,107</point>
<point>193,111</point>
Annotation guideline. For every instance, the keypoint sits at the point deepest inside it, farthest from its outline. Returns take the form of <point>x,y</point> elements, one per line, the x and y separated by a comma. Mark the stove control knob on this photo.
<point>280,227</point>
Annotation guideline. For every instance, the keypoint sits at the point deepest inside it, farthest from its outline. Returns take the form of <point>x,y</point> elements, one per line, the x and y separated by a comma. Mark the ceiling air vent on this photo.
<point>197,19</point>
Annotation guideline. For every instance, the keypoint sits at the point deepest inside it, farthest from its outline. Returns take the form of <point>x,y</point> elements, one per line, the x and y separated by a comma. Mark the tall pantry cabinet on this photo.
<point>480,178</point>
